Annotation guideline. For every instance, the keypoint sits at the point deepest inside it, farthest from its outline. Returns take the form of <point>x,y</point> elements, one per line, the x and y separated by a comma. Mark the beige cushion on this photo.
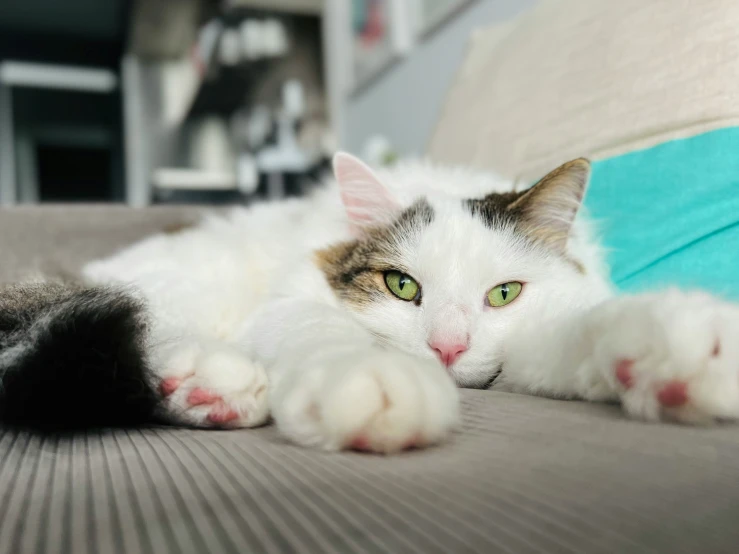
<point>591,77</point>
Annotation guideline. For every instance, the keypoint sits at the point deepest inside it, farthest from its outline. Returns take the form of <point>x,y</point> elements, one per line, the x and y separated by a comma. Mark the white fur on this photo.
<point>241,292</point>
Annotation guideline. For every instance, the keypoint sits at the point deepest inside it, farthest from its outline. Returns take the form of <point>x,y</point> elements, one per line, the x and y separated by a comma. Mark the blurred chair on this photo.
<point>51,105</point>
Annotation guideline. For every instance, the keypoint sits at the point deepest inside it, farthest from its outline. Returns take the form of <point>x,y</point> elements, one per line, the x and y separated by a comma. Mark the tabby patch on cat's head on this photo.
<point>542,214</point>
<point>545,212</point>
<point>355,269</point>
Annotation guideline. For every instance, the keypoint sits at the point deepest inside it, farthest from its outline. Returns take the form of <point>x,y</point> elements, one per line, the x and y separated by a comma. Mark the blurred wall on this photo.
<point>403,104</point>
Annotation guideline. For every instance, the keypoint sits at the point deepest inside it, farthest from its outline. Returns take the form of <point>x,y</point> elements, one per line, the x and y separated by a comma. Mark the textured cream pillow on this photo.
<point>594,78</point>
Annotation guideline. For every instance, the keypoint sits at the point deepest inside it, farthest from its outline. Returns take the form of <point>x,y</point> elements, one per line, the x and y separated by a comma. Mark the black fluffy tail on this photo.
<point>73,357</point>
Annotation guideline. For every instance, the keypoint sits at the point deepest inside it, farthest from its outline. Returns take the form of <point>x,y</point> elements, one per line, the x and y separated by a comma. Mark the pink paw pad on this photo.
<point>168,386</point>
<point>361,443</point>
<point>716,350</point>
<point>624,374</point>
<point>673,394</point>
<point>414,442</point>
<point>201,396</point>
<point>222,414</point>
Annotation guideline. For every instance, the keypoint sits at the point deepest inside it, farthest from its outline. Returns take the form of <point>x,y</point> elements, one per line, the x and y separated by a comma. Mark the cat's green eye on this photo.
<point>403,286</point>
<point>504,294</point>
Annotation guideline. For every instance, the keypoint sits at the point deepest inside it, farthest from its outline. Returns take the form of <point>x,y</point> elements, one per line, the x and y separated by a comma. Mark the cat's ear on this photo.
<point>366,200</point>
<point>548,209</point>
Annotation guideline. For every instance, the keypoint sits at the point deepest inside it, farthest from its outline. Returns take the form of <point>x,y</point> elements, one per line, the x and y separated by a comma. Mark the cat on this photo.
<point>350,317</point>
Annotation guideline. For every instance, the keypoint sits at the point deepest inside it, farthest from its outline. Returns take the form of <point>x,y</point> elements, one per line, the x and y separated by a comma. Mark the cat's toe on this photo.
<point>169,386</point>
<point>200,396</point>
<point>669,394</point>
<point>223,389</point>
<point>223,415</point>
<point>673,394</point>
<point>362,443</point>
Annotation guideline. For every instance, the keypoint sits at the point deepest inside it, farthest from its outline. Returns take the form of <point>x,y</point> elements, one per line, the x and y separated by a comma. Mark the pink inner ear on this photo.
<point>365,198</point>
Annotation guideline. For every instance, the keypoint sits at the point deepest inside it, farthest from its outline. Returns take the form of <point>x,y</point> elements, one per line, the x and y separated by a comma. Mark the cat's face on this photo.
<point>452,279</point>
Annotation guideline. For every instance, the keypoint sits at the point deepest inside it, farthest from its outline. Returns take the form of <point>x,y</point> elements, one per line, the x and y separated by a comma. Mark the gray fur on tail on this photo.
<point>73,356</point>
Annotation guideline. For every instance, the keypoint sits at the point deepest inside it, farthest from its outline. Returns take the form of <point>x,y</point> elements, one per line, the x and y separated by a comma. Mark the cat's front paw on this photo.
<point>675,356</point>
<point>207,384</point>
<point>375,400</point>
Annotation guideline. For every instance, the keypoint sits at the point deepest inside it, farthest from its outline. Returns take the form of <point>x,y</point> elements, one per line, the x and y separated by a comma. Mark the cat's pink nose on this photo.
<point>448,352</point>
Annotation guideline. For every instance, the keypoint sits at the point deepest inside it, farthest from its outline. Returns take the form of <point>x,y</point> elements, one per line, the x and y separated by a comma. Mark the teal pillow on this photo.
<point>669,215</point>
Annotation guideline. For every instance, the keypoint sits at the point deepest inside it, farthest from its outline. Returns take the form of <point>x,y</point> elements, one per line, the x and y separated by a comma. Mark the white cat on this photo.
<point>349,316</point>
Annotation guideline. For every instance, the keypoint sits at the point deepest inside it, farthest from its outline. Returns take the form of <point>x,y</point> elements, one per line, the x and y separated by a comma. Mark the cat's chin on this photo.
<point>475,378</point>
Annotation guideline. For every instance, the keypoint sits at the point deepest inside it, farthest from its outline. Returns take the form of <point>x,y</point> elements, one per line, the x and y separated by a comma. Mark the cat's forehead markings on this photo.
<point>493,208</point>
<point>418,214</point>
<point>354,268</point>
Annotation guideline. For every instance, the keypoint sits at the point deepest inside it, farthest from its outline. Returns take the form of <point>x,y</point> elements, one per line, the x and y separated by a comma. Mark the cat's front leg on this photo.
<point>334,388</point>
<point>666,356</point>
<point>208,383</point>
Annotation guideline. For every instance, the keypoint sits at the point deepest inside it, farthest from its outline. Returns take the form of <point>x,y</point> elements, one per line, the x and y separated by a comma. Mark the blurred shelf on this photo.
<point>171,178</point>
<point>227,91</point>
<point>308,7</point>
<point>39,75</point>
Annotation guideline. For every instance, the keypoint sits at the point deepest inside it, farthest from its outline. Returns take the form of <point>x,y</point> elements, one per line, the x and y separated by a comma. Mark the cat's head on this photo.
<point>454,279</point>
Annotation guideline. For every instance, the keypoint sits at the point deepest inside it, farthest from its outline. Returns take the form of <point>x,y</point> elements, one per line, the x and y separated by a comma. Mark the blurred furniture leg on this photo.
<point>7,148</point>
<point>28,185</point>
<point>137,161</point>
<point>275,186</point>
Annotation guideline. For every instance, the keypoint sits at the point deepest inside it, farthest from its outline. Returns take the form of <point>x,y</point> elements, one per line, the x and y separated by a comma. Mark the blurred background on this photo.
<point>205,101</point>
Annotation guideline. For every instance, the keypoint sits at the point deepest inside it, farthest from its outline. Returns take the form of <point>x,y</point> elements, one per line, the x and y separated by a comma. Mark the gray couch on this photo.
<point>522,474</point>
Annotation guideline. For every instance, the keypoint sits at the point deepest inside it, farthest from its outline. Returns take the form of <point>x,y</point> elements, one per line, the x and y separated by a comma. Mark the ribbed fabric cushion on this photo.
<point>522,474</point>
<point>59,239</point>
